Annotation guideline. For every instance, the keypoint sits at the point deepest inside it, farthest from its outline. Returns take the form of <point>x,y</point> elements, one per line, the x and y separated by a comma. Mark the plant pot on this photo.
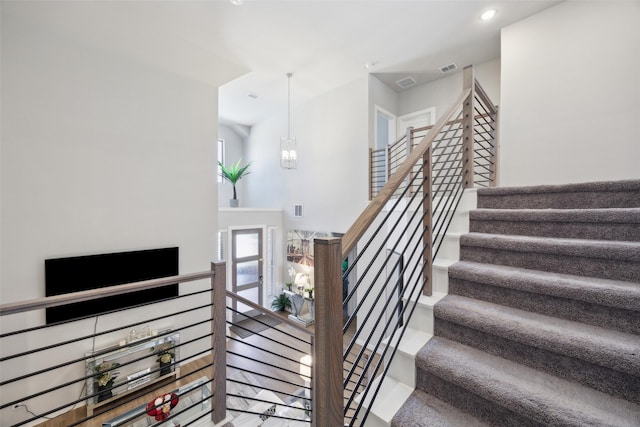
<point>234,203</point>
<point>165,368</point>
<point>104,393</point>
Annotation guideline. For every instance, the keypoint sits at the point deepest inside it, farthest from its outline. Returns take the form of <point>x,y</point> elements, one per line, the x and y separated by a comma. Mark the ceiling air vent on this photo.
<point>448,68</point>
<point>406,82</point>
<point>297,211</point>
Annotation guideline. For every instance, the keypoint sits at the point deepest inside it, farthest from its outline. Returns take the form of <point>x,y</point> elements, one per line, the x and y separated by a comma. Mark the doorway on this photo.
<point>384,131</point>
<point>246,270</point>
<point>417,119</point>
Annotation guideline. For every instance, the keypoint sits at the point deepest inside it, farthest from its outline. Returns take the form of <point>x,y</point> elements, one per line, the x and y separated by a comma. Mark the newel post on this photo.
<point>218,342</point>
<point>467,127</point>
<point>326,386</point>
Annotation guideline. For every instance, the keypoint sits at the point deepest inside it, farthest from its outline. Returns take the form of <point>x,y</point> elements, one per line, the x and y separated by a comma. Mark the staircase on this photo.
<point>542,322</point>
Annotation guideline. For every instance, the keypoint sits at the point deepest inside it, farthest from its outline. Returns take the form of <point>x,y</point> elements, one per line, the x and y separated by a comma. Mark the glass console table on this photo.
<point>302,307</point>
<point>134,364</point>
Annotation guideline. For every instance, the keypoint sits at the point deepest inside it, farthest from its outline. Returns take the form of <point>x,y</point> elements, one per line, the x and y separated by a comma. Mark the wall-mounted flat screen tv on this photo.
<point>67,275</point>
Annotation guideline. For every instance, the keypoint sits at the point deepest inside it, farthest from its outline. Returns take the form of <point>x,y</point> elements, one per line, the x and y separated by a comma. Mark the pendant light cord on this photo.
<point>289,105</point>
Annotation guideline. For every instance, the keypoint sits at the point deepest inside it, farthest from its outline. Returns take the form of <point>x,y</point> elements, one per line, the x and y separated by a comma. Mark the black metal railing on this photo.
<point>390,268</point>
<point>111,368</point>
<point>269,361</point>
<point>401,233</point>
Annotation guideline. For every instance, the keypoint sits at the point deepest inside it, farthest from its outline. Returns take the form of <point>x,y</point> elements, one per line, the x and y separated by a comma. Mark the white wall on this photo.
<point>571,95</point>
<point>99,153</point>
<point>331,177</point>
<point>443,92</point>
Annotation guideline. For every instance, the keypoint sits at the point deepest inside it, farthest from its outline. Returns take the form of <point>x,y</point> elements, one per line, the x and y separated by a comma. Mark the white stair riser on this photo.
<point>450,247</point>
<point>403,368</point>
<point>374,421</point>
<point>459,222</point>
<point>468,201</point>
<point>440,279</point>
<point>422,319</point>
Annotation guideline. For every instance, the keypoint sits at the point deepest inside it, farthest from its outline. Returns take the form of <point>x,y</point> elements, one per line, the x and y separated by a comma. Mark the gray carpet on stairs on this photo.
<point>542,323</point>
<point>610,224</point>
<point>591,195</point>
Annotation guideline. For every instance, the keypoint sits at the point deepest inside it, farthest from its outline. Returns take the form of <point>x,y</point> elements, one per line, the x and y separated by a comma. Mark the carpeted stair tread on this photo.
<point>616,260</point>
<point>624,251</point>
<point>611,293</point>
<point>543,398</point>
<point>424,410</point>
<point>603,347</point>
<point>592,195</point>
<point>620,215</point>
<point>630,185</point>
<point>603,224</point>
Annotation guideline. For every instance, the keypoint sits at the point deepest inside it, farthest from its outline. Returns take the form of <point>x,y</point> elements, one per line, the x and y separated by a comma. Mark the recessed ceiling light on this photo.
<point>236,2</point>
<point>488,14</point>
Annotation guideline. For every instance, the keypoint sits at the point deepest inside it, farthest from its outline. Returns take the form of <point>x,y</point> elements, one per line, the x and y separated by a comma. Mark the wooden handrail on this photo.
<point>450,122</point>
<point>269,313</point>
<point>53,301</point>
<point>366,218</point>
<point>484,98</point>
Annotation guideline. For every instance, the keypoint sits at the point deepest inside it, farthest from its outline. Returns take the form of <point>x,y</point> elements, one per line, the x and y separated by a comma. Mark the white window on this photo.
<point>220,157</point>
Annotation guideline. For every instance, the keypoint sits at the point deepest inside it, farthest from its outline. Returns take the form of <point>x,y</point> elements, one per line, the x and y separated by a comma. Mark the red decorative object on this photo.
<point>162,405</point>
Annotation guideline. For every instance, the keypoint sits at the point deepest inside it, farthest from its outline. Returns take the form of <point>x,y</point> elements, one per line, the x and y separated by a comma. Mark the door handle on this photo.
<point>260,279</point>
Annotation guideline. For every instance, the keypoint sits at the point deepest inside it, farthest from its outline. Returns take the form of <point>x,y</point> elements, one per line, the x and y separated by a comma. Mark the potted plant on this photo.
<point>105,377</point>
<point>281,302</point>
<point>165,353</point>
<point>233,174</point>
<point>310,292</point>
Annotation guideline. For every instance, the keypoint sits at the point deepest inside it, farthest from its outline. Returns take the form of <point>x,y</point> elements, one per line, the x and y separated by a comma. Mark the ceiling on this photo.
<point>325,44</point>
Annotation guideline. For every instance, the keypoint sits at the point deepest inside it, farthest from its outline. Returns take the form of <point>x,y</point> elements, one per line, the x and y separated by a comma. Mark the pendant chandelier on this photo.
<point>288,154</point>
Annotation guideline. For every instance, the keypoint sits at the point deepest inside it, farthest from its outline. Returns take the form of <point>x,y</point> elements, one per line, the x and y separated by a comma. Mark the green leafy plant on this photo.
<point>234,173</point>
<point>165,352</point>
<point>281,302</point>
<point>106,374</point>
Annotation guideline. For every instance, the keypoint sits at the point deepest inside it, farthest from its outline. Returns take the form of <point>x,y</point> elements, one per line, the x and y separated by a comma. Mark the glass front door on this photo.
<point>246,270</point>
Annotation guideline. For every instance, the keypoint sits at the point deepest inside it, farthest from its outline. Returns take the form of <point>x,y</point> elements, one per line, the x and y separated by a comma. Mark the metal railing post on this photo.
<point>218,342</point>
<point>427,235</point>
<point>467,128</point>
<point>327,392</point>
<point>494,176</point>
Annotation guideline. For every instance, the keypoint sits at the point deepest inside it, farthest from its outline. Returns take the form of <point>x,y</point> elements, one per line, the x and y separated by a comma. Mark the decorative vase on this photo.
<point>234,203</point>
<point>310,294</point>
<point>165,368</point>
<point>104,393</point>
